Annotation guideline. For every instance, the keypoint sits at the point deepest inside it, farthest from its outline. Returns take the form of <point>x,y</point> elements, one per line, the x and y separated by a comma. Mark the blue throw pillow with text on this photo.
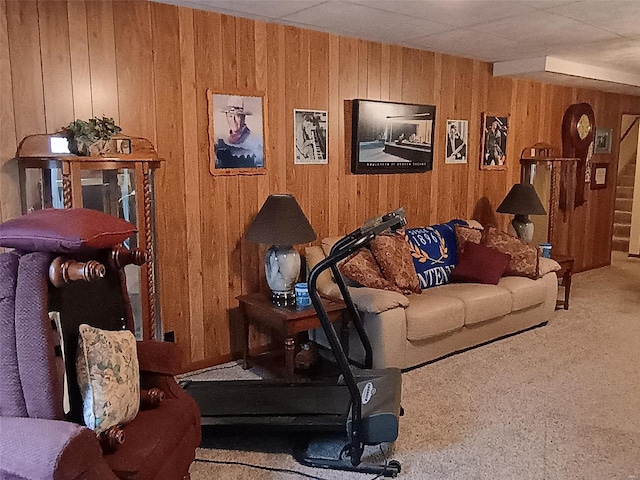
<point>434,251</point>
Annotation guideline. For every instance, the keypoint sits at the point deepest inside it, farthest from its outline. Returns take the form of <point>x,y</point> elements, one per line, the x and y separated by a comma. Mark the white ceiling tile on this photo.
<point>620,16</point>
<point>356,20</point>
<point>459,13</point>
<point>261,8</point>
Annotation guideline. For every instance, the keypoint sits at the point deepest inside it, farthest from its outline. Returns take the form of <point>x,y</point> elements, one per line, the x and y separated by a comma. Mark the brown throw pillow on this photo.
<point>392,253</point>
<point>480,264</point>
<point>466,234</point>
<point>524,258</point>
<point>362,268</point>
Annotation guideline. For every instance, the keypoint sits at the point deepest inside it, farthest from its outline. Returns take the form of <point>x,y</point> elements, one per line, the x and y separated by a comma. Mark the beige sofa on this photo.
<point>407,331</point>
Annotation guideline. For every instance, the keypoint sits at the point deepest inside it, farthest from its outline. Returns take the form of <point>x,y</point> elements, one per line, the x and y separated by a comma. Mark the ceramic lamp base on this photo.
<point>282,268</point>
<point>523,227</point>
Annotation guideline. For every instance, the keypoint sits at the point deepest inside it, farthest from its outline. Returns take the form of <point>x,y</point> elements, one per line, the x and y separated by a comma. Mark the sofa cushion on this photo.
<point>434,252</point>
<point>480,264</point>
<point>362,268</point>
<point>525,292</point>
<point>432,314</point>
<point>64,231</point>
<point>481,302</point>
<point>524,257</point>
<point>392,253</point>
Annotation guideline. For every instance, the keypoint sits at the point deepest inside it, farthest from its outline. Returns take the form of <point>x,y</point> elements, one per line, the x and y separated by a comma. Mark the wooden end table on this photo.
<point>287,322</point>
<point>566,269</point>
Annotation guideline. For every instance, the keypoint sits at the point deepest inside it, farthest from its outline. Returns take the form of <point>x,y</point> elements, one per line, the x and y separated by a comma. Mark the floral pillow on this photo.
<point>362,268</point>
<point>466,234</point>
<point>108,376</point>
<point>525,258</point>
<point>393,255</point>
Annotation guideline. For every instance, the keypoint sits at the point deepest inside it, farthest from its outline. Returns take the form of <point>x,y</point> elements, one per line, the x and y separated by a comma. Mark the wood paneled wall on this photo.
<point>149,65</point>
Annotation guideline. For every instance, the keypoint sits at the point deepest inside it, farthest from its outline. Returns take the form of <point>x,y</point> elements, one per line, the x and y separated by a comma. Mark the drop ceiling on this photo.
<point>583,43</point>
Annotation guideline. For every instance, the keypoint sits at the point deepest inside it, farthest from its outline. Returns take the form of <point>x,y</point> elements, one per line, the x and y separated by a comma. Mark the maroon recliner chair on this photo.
<point>37,439</point>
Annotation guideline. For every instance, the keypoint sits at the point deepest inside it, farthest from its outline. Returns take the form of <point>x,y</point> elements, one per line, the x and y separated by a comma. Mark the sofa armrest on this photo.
<point>158,357</point>
<point>37,449</point>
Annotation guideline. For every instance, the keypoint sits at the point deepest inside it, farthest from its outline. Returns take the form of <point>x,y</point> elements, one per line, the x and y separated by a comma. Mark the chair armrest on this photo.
<point>158,357</point>
<point>37,449</point>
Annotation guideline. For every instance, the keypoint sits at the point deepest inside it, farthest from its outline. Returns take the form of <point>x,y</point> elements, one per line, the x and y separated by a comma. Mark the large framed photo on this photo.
<point>495,131</point>
<point>236,133</point>
<point>391,137</point>
<point>457,138</point>
<point>310,137</point>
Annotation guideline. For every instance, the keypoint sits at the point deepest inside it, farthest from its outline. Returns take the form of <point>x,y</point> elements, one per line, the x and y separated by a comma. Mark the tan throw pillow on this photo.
<point>393,254</point>
<point>108,376</point>
<point>524,257</point>
<point>466,234</point>
<point>361,267</point>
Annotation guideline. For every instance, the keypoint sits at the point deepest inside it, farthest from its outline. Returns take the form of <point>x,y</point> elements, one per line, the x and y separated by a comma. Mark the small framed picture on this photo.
<point>310,137</point>
<point>599,175</point>
<point>236,133</point>
<point>457,137</point>
<point>603,140</point>
<point>123,146</point>
<point>495,132</point>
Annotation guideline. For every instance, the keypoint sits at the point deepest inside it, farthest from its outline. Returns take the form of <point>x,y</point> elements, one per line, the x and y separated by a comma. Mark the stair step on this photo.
<point>624,192</point>
<point>626,180</point>
<point>622,217</point>
<point>620,244</point>
<point>621,230</point>
<point>628,169</point>
<point>624,204</point>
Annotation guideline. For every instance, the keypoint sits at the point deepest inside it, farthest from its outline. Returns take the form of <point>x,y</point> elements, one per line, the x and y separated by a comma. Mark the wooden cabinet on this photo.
<point>119,183</point>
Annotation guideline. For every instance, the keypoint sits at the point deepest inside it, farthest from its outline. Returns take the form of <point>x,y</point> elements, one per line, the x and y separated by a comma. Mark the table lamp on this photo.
<point>281,223</point>
<point>522,201</point>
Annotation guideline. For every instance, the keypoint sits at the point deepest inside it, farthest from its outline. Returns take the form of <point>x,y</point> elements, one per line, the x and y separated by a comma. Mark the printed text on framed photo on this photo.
<point>236,133</point>
<point>494,136</point>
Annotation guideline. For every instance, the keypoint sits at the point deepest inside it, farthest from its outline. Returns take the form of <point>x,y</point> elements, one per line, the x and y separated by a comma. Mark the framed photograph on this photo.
<point>599,175</point>
<point>603,140</point>
<point>310,137</point>
<point>391,137</point>
<point>457,138</point>
<point>495,131</point>
<point>123,145</point>
<point>236,133</point>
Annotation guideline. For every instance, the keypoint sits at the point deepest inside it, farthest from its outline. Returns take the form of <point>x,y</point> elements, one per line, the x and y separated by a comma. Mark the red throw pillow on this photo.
<point>64,231</point>
<point>478,263</point>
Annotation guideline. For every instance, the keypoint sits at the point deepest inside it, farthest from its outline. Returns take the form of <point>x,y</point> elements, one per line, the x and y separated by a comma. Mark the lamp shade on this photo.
<point>281,221</point>
<point>522,199</point>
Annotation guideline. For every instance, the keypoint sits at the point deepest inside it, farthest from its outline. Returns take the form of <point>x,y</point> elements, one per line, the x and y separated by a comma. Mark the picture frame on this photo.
<point>123,146</point>
<point>494,137</point>
<point>388,137</point>
<point>456,140</point>
<point>310,137</point>
<point>599,176</point>
<point>237,132</point>
<point>602,140</point>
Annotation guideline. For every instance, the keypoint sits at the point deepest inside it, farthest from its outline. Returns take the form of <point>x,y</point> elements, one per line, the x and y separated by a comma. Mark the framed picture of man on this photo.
<point>495,131</point>
<point>310,137</point>
<point>457,138</point>
<point>236,133</point>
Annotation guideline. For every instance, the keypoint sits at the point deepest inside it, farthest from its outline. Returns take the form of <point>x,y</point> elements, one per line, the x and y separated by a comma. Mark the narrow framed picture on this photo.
<point>236,133</point>
<point>391,137</point>
<point>495,132</point>
<point>310,137</point>
<point>603,140</point>
<point>123,146</point>
<point>457,139</point>
<point>599,175</point>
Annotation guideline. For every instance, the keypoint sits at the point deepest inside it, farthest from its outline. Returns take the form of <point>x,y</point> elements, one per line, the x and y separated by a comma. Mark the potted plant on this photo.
<point>91,137</point>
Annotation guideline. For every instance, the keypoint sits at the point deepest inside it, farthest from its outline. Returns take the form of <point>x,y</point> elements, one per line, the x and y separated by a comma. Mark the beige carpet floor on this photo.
<point>560,402</point>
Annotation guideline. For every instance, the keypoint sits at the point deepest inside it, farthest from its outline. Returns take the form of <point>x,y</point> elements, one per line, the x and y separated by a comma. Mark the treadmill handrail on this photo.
<point>341,250</point>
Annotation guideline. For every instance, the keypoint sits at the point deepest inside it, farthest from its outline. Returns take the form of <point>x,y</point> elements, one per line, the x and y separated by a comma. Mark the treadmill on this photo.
<point>361,404</point>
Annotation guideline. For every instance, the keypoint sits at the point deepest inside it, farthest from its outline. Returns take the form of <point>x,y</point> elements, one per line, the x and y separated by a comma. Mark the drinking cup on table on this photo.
<point>302,295</point>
